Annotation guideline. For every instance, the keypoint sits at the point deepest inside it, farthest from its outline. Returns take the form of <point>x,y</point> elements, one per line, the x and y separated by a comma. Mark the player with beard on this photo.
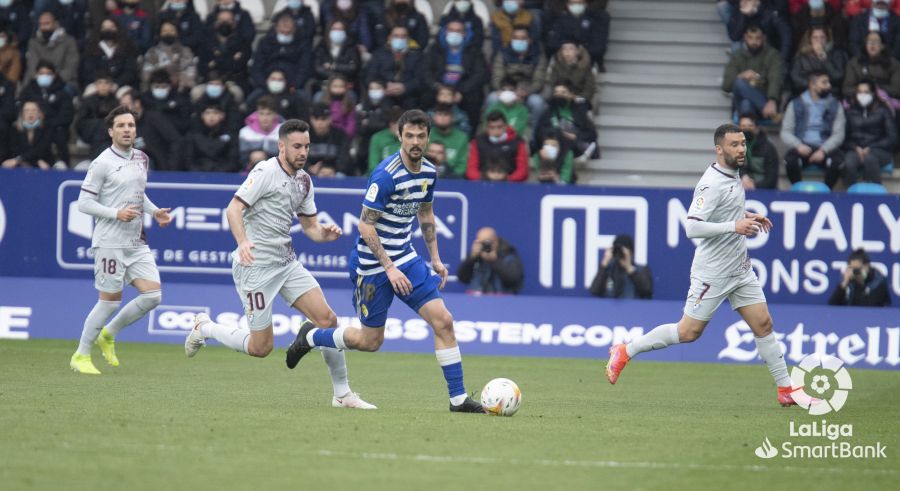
<point>265,265</point>
<point>721,267</point>
<point>383,264</point>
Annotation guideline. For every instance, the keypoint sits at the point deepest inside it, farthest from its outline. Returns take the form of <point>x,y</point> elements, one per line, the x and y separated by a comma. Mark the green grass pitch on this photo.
<point>225,421</point>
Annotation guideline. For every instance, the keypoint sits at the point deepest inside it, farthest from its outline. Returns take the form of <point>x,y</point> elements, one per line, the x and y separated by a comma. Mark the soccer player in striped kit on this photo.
<point>384,263</point>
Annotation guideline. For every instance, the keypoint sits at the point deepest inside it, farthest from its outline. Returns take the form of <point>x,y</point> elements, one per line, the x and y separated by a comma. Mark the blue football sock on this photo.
<point>451,364</point>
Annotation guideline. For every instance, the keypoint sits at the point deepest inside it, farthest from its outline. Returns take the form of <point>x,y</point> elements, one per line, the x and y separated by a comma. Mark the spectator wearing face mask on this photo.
<point>371,117</point>
<point>404,13</point>
<point>171,56</point>
<point>498,153</point>
<point>30,142</point>
<point>813,130</point>
<point>14,16</point>
<point>215,91</point>
<point>110,51</point>
<point>505,18</point>
<point>579,22</point>
<point>242,21</point>
<point>761,168</point>
<point>135,21</point>
<point>51,43</point>
<point>172,104</point>
<point>877,64</point>
<point>304,21</point>
<point>90,123</point>
<point>462,11</point>
<point>861,284</point>
<point>400,66</point>
<point>190,28</point>
<point>337,96</point>
<point>553,164</point>
<point>878,19</point>
<point>337,55</point>
<point>871,135</point>
<point>225,52</point>
<point>507,101</point>
<point>571,119</point>
<point>523,65</point>
<point>454,61</point>
<point>355,17</point>
<point>73,16</point>
<point>57,110</point>
<point>282,49</point>
<point>291,103</point>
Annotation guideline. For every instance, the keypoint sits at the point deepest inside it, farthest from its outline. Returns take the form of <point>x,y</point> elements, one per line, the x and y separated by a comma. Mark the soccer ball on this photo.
<point>501,397</point>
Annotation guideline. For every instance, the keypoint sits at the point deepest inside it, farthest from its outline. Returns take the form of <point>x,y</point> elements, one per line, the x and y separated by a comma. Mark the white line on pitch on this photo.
<point>593,463</point>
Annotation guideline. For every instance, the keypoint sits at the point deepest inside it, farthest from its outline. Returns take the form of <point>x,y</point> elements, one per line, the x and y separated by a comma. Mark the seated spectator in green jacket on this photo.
<point>552,163</point>
<point>761,168</point>
<point>456,142</point>
<point>385,142</point>
<point>509,102</point>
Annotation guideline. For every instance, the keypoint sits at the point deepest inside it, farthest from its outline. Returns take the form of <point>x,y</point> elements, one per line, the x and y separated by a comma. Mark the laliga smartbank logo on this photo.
<point>823,384</point>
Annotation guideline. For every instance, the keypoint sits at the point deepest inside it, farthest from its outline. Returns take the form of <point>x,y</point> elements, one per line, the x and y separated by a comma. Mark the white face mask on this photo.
<point>880,13</point>
<point>160,93</point>
<point>865,100</point>
<point>2,42</point>
<point>507,97</point>
<point>344,4</point>
<point>577,8</point>
<point>816,4</point>
<point>376,95</point>
<point>551,151</point>
<point>463,6</point>
<point>276,86</point>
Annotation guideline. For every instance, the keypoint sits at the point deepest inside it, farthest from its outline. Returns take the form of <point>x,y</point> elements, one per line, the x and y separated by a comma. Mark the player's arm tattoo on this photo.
<point>370,217</point>
<point>428,228</point>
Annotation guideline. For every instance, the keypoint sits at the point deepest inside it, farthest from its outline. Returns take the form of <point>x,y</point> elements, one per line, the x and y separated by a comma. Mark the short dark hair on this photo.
<point>814,74</point>
<point>45,64</point>
<point>859,255</point>
<point>444,108</point>
<point>118,111</point>
<point>267,102</point>
<point>160,76</point>
<point>415,117</point>
<point>751,116</point>
<point>723,130</point>
<point>495,115</point>
<point>292,126</point>
<point>754,28</point>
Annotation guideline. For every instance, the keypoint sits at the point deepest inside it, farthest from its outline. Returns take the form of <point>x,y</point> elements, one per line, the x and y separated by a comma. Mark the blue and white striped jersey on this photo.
<point>397,193</point>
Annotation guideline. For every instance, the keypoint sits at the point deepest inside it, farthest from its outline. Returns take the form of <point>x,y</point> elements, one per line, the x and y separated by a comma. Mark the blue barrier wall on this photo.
<point>506,325</point>
<point>560,231</point>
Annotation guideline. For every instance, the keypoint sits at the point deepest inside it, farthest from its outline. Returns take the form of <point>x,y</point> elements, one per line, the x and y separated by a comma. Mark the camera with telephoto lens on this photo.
<point>487,246</point>
<point>617,252</point>
<point>858,272</point>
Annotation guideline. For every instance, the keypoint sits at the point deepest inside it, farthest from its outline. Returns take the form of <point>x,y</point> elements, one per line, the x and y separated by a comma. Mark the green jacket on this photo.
<point>767,63</point>
<point>456,145</point>
<point>516,115</point>
<point>382,145</point>
<point>564,170</point>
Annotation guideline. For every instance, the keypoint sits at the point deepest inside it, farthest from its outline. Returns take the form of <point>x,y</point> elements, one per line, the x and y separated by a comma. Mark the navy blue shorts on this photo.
<point>373,294</point>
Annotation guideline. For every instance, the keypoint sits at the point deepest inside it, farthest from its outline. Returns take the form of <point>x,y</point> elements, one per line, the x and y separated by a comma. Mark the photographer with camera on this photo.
<point>618,276</point>
<point>862,285</point>
<point>493,265</point>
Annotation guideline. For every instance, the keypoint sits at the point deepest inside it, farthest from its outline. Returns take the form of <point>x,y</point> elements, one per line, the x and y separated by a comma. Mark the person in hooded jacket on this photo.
<point>454,60</point>
<point>870,135</point>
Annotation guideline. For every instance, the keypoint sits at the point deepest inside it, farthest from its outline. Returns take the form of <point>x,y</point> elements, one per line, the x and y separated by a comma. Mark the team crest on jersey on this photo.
<point>365,311</point>
<point>372,193</point>
<point>424,186</point>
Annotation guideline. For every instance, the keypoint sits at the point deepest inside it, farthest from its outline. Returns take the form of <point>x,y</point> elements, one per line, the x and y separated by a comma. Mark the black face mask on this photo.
<point>225,29</point>
<point>749,136</point>
<point>47,34</point>
<point>823,93</point>
<point>559,101</point>
<point>168,39</point>
<point>108,35</point>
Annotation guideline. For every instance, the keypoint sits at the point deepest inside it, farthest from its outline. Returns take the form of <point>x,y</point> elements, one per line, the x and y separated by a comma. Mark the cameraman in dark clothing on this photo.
<point>619,277</point>
<point>493,265</point>
<point>862,285</point>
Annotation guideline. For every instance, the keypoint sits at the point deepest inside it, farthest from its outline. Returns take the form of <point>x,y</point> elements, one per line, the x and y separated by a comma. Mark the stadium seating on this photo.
<point>810,187</point>
<point>867,188</point>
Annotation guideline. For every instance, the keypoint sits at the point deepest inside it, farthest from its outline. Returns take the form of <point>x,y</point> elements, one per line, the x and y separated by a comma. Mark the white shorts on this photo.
<point>257,286</point>
<point>705,297</point>
<point>114,268</point>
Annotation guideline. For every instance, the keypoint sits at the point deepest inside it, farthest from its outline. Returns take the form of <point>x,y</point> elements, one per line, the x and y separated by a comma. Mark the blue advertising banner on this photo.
<point>485,325</point>
<point>560,232</point>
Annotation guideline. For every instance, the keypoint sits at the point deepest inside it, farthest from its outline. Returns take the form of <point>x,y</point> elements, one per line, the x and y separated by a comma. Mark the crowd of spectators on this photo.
<point>511,94</point>
<point>827,71</point>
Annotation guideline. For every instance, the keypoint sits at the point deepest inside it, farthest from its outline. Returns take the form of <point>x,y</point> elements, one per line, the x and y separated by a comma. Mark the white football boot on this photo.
<point>351,400</point>
<point>195,340</point>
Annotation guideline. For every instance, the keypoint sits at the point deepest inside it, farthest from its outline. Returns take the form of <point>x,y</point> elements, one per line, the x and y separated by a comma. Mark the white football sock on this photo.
<point>236,338</point>
<point>94,323</point>
<point>134,310</point>
<point>770,352</point>
<point>337,367</point>
<point>658,338</point>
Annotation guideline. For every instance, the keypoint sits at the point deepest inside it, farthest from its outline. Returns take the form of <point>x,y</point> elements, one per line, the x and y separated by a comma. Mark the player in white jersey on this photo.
<point>265,265</point>
<point>721,267</point>
<point>113,193</point>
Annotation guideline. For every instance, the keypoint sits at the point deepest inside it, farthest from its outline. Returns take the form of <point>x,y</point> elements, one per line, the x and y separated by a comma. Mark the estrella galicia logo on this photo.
<point>822,384</point>
<point>766,450</point>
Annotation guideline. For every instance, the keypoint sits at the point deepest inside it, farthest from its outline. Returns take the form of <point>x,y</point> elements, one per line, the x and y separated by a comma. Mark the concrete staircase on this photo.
<point>659,98</point>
